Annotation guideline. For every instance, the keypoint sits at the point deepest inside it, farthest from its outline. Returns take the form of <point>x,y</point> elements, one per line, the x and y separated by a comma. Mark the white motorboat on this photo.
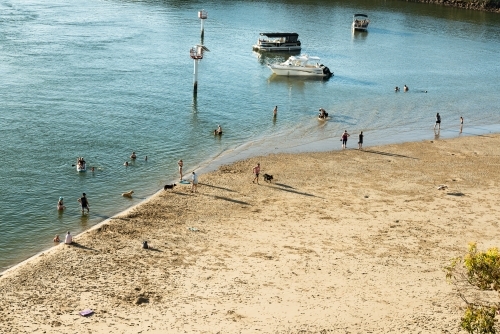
<point>360,22</point>
<point>278,41</point>
<point>302,65</point>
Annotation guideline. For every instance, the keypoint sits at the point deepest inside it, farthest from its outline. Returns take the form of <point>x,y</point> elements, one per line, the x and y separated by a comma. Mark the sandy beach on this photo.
<point>340,242</point>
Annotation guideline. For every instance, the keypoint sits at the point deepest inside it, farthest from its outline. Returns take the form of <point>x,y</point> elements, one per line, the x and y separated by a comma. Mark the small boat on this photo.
<point>278,41</point>
<point>302,65</point>
<point>360,22</point>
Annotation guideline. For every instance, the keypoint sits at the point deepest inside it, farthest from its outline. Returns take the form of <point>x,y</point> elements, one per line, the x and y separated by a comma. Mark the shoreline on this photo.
<point>337,241</point>
<point>485,6</point>
<point>257,148</point>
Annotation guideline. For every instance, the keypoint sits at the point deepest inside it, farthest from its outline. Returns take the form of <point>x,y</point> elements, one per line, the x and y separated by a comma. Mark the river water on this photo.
<point>101,79</point>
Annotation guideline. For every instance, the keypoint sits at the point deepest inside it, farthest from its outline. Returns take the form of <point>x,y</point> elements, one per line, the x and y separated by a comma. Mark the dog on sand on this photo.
<point>169,186</point>
<point>268,178</point>
<point>128,194</point>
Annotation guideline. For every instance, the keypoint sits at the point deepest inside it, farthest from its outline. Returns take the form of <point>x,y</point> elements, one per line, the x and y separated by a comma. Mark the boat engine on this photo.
<point>326,70</point>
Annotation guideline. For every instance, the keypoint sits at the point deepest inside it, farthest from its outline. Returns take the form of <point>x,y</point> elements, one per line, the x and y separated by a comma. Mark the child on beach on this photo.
<point>256,172</point>
<point>194,186</point>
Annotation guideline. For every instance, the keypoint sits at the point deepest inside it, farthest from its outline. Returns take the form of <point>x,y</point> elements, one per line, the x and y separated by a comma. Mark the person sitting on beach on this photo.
<point>133,156</point>
<point>56,238</point>
<point>69,239</point>
<point>60,204</point>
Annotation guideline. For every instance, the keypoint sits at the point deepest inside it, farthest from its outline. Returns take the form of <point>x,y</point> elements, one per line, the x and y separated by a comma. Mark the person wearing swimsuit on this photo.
<point>84,203</point>
<point>344,139</point>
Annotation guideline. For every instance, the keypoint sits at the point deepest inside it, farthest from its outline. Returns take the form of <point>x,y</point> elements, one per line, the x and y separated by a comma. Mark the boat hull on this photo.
<point>271,48</point>
<point>297,72</point>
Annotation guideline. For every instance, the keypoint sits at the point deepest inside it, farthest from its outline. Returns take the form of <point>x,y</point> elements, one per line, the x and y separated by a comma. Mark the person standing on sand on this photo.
<point>181,164</point>
<point>84,202</point>
<point>438,121</point>
<point>275,112</point>
<point>256,172</point>
<point>360,140</point>
<point>344,137</point>
<point>194,186</point>
<point>461,123</point>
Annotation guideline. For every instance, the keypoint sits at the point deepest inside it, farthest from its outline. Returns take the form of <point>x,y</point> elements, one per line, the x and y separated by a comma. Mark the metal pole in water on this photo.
<point>202,14</point>
<point>195,87</point>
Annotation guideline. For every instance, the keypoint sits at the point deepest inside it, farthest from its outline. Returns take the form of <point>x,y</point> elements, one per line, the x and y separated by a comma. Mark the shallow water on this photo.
<point>101,79</point>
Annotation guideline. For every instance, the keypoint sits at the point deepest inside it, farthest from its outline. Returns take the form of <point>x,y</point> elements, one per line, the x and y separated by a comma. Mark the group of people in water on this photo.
<point>80,163</point>
<point>218,131</point>
<point>405,89</point>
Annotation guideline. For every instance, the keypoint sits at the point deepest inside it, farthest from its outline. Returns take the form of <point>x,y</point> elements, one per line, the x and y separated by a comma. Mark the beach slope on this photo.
<point>345,241</point>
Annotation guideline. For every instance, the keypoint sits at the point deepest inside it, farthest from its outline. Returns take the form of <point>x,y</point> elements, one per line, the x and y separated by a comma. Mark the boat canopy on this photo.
<point>290,37</point>
<point>363,15</point>
<point>279,34</point>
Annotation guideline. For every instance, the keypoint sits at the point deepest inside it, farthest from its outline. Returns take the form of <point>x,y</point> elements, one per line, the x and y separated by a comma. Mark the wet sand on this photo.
<point>342,242</point>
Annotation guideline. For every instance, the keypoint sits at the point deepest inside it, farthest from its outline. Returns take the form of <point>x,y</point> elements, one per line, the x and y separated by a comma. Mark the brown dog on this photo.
<point>128,194</point>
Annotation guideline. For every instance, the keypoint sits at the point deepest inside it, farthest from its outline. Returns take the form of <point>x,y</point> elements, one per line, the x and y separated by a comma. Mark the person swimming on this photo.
<point>322,113</point>
<point>218,131</point>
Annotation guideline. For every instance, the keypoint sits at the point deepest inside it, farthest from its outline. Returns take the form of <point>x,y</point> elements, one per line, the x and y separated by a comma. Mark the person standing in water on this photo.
<point>360,140</point>
<point>181,164</point>
<point>275,112</point>
<point>438,121</point>
<point>84,203</point>
<point>344,137</point>
<point>60,204</point>
<point>133,156</point>
<point>461,123</point>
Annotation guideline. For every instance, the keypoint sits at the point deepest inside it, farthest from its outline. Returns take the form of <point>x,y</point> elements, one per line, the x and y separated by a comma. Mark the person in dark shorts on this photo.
<point>84,202</point>
<point>360,140</point>
<point>438,121</point>
<point>344,139</point>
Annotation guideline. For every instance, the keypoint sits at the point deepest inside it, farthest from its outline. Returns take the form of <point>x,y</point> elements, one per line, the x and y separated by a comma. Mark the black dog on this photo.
<point>169,186</point>
<point>268,178</point>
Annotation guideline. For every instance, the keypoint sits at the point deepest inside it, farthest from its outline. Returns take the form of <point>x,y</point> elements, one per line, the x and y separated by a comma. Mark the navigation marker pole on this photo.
<point>203,16</point>
<point>196,54</point>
